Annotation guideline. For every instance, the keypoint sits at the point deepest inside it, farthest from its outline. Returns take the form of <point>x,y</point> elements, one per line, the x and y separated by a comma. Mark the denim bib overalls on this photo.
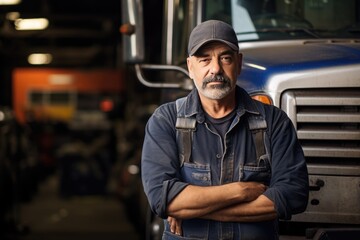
<point>197,171</point>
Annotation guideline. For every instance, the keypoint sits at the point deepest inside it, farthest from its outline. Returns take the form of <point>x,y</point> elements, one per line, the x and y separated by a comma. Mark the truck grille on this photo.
<point>327,124</point>
<point>328,127</point>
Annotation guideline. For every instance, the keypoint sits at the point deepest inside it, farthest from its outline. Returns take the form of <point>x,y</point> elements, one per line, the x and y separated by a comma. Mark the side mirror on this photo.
<point>132,30</point>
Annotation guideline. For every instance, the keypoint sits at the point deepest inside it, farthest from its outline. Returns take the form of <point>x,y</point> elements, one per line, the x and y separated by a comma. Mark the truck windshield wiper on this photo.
<point>282,30</point>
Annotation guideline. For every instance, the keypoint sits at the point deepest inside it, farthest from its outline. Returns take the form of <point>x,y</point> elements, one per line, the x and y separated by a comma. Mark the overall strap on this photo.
<point>186,126</point>
<point>185,129</point>
<point>257,126</point>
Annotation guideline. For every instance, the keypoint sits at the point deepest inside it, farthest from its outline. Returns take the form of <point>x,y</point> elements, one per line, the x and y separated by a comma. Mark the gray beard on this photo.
<point>217,91</point>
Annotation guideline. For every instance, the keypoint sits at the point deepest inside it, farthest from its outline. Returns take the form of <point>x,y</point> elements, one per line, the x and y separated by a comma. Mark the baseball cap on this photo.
<point>210,31</point>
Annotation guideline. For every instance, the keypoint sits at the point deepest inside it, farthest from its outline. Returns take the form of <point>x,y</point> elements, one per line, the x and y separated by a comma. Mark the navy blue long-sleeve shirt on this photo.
<point>215,162</point>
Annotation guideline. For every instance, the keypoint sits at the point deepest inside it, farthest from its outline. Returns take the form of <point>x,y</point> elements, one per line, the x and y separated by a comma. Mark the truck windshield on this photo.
<point>258,20</point>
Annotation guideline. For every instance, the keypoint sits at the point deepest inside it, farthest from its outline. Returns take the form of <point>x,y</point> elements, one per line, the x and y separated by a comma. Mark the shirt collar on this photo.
<point>244,104</point>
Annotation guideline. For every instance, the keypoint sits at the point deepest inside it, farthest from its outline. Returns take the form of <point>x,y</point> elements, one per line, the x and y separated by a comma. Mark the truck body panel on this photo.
<point>264,61</point>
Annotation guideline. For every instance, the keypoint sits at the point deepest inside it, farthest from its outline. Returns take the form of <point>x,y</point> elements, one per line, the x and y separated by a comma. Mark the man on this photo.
<point>224,191</point>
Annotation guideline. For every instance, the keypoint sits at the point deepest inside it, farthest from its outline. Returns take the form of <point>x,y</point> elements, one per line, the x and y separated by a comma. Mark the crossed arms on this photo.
<point>233,202</point>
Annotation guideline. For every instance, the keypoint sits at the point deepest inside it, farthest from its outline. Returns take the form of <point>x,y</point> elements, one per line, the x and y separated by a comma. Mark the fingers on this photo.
<point>178,229</point>
<point>171,222</point>
<point>175,225</point>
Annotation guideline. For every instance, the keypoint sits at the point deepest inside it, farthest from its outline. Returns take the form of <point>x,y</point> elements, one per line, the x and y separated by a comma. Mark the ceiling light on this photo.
<point>31,24</point>
<point>9,2</point>
<point>40,58</point>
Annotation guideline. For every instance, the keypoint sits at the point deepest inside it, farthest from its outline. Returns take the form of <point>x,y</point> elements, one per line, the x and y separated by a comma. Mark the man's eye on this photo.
<point>226,59</point>
<point>203,60</point>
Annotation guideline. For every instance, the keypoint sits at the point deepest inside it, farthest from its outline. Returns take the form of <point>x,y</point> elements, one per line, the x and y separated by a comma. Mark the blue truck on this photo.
<point>302,56</point>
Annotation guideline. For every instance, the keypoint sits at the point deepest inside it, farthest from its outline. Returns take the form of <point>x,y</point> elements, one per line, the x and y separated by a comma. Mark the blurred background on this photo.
<point>80,78</point>
<point>72,116</point>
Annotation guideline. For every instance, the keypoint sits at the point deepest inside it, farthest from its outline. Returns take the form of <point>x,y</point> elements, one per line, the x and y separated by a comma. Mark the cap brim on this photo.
<point>201,44</point>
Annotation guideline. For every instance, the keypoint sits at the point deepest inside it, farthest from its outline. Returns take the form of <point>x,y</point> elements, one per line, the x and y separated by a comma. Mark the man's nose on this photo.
<point>215,67</point>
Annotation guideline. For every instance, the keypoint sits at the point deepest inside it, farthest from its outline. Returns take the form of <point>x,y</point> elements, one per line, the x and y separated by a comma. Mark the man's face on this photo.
<point>214,69</point>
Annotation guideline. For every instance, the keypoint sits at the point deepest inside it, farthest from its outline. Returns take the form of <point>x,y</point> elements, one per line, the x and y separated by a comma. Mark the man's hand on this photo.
<point>251,190</point>
<point>175,225</point>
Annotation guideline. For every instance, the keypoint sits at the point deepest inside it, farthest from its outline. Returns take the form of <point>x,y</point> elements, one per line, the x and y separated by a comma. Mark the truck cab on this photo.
<point>302,56</point>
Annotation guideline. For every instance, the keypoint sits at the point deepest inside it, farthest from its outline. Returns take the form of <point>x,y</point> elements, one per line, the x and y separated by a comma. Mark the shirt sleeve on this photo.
<point>160,164</point>
<point>289,186</point>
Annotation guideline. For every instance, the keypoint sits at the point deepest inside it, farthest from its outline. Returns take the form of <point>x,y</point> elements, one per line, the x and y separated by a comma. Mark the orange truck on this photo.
<point>46,94</point>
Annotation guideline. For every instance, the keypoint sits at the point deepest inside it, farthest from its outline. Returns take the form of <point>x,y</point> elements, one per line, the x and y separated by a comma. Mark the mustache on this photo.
<point>215,78</point>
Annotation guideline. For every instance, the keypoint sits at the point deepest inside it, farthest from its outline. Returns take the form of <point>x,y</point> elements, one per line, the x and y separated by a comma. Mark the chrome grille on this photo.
<point>328,127</point>
<point>327,122</point>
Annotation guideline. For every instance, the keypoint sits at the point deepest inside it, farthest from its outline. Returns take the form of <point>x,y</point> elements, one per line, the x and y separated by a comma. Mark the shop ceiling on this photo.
<point>79,33</point>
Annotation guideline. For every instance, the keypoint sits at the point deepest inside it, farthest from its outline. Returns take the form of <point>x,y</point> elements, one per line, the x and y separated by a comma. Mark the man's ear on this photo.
<point>240,57</point>
<point>189,65</point>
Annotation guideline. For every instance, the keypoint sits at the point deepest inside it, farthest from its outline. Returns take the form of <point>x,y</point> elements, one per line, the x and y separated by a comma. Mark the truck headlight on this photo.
<point>262,98</point>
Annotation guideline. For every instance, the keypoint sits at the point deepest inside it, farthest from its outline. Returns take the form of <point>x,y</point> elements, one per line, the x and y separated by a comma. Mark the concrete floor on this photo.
<point>50,217</point>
